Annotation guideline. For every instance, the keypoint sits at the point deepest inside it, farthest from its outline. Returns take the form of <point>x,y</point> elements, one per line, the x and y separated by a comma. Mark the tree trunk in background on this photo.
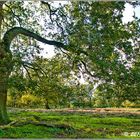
<point>47,105</point>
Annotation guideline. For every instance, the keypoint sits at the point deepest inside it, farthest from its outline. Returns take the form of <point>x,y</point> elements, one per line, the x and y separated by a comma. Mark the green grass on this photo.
<point>77,125</point>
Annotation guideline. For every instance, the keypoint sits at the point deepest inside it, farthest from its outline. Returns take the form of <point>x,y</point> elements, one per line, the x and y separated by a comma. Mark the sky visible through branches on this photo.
<point>48,51</point>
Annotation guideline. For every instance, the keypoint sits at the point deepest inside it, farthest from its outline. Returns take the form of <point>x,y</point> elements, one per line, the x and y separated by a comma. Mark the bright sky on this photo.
<point>48,51</point>
<point>129,12</point>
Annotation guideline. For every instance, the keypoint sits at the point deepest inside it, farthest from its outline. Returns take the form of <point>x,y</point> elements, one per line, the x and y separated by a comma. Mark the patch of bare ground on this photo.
<point>135,111</point>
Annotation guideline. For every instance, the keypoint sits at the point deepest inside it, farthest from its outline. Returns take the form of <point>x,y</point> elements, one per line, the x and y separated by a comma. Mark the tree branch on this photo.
<point>12,33</point>
<point>85,66</point>
<point>53,12</point>
<point>27,72</point>
<point>50,10</point>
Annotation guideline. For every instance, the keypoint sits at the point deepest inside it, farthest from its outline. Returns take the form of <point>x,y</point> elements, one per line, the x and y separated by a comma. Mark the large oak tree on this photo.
<point>6,58</point>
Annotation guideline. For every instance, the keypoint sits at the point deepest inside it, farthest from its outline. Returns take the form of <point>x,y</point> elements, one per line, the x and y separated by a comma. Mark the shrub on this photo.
<point>29,100</point>
<point>127,104</point>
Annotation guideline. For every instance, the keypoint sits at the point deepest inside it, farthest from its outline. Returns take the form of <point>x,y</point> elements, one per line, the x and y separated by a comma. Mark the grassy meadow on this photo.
<point>66,123</point>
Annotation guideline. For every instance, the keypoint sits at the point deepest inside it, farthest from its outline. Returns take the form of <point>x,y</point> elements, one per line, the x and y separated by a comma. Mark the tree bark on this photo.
<point>5,71</point>
<point>3,98</point>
